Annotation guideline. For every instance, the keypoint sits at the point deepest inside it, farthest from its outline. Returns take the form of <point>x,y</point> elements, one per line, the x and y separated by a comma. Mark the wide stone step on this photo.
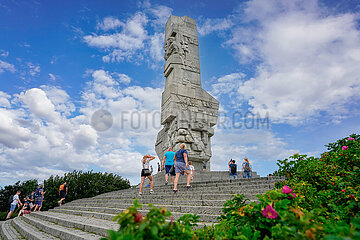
<point>90,225</point>
<point>66,233</point>
<point>226,182</point>
<point>188,192</point>
<point>8,232</point>
<point>207,188</point>
<point>171,208</point>
<point>109,217</point>
<point>30,232</point>
<point>176,202</point>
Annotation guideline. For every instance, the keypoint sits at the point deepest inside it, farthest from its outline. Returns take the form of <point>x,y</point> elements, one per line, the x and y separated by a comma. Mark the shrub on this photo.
<point>318,200</point>
<point>330,184</point>
<point>81,185</point>
<point>133,225</point>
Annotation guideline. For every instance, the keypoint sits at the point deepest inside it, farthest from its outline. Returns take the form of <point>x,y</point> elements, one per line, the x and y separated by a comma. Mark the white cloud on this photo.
<point>161,13</point>
<point>129,39</point>
<point>60,99</point>
<point>216,24</point>
<point>4,53</point>
<point>109,23</point>
<point>124,44</point>
<point>12,135</point>
<point>4,66</point>
<point>307,59</point>
<point>52,77</point>
<point>4,99</point>
<point>85,137</point>
<point>259,145</point>
<point>39,104</point>
<point>123,78</point>
<point>227,84</point>
<point>40,126</point>
<point>33,69</point>
<point>157,47</point>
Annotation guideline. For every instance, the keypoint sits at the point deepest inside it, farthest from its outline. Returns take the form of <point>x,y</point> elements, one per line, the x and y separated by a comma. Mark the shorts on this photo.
<point>27,211</point>
<point>180,167</point>
<point>144,174</point>
<point>62,194</point>
<point>233,177</point>
<point>38,201</point>
<point>31,205</point>
<point>12,207</point>
<point>167,169</point>
<point>248,174</point>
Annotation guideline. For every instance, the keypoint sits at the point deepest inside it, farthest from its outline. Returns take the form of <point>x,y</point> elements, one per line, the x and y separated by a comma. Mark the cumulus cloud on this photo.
<point>41,126</point>
<point>39,104</point>
<point>156,46</point>
<point>4,66</point>
<point>4,99</point>
<point>161,13</point>
<point>216,24</point>
<point>109,23</point>
<point>307,60</point>
<point>60,99</point>
<point>33,69</point>
<point>259,145</point>
<point>129,39</point>
<point>123,78</point>
<point>12,135</point>
<point>123,44</point>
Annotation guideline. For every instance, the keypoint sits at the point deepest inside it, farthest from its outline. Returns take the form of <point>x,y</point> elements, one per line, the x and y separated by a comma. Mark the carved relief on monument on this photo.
<point>188,112</point>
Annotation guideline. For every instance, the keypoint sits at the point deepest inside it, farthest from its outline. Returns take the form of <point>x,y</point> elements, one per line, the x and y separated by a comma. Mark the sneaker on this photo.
<point>140,193</point>
<point>166,183</point>
<point>175,191</point>
<point>151,191</point>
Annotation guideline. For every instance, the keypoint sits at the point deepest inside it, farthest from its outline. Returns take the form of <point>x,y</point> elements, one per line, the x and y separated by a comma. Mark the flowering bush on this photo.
<point>133,225</point>
<point>318,200</point>
<point>330,184</point>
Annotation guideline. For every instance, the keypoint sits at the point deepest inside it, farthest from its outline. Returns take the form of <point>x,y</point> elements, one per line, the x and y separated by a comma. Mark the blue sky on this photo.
<point>292,66</point>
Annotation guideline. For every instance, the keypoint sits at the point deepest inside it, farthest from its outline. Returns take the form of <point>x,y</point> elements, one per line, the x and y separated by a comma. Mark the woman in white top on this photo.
<point>145,172</point>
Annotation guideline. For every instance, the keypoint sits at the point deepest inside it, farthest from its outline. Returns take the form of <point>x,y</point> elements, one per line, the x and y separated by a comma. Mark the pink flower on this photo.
<point>293,194</point>
<point>286,190</point>
<point>270,212</point>
<point>350,138</point>
<point>344,147</point>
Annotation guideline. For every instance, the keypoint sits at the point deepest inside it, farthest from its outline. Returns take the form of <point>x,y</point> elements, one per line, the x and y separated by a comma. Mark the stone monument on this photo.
<point>188,112</point>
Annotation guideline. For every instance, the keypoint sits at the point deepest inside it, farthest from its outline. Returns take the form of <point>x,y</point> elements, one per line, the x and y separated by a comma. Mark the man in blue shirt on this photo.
<point>168,162</point>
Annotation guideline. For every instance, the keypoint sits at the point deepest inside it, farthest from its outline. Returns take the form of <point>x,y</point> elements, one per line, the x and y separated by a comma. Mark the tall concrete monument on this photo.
<point>188,112</point>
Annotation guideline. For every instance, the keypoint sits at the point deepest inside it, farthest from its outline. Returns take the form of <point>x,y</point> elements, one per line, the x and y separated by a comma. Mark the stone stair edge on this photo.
<point>59,230</point>
<point>109,217</point>
<point>29,231</point>
<point>8,232</point>
<point>100,228</point>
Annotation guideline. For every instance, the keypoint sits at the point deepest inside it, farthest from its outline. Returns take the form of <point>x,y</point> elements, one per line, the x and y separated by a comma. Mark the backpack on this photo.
<point>11,199</point>
<point>61,187</point>
<point>247,167</point>
<point>233,168</point>
<point>36,194</point>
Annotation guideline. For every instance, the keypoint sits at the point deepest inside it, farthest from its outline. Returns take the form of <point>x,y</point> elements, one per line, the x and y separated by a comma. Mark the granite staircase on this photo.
<point>91,218</point>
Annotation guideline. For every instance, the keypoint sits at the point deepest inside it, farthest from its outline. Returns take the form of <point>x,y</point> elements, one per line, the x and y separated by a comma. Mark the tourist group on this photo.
<point>33,201</point>
<point>176,164</point>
